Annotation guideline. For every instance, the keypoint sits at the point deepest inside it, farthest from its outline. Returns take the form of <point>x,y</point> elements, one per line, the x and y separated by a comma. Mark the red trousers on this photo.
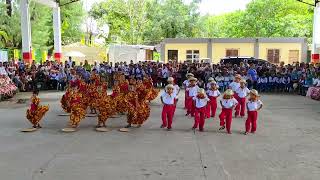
<point>212,107</point>
<point>226,118</point>
<point>167,115</point>
<point>241,107</point>
<point>199,117</point>
<point>251,122</point>
<point>185,99</point>
<point>175,106</point>
<point>190,106</point>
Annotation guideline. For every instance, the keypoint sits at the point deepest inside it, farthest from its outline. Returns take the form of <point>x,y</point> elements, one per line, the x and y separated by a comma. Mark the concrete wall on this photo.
<point>219,50</point>
<point>183,47</point>
<point>284,50</point>
<point>215,48</point>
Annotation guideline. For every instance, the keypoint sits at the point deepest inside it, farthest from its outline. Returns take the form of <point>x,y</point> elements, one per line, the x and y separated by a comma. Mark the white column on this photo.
<point>57,33</point>
<point>316,34</point>
<point>25,31</point>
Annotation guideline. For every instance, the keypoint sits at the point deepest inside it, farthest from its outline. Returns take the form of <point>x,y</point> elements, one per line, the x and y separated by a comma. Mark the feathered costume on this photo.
<point>106,107</point>
<point>153,92</point>
<point>65,101</point>
<point>78,109</point>
<point>138,109</point>
<point>36,112</point>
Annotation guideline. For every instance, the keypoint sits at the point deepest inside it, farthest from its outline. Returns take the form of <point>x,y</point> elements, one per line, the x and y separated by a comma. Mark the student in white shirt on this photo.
<point>186,84</point>
<point>168,99</point>
<point>253,106</point>
<point>242,93</point>
<point>210,80</point>
<point>176,90</point>
<point>192,91</point>
<point>200,102</point>
<point>213,93</point>
<point>227,103</point>
<point>235,85</point>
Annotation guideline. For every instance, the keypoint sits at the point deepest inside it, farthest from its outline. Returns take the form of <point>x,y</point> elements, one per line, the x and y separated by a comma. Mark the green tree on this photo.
<point>146,21</point>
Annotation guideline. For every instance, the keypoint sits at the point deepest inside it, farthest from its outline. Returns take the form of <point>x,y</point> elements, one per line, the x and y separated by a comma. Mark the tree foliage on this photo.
<point>41,24</point>
<point>150,21</point>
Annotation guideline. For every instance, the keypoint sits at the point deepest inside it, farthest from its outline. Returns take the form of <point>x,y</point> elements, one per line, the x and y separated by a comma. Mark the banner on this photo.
<point>3,56</point>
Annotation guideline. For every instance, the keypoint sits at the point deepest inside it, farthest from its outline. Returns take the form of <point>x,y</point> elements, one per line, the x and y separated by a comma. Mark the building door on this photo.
<point>273,55</point>
<point>293,56</point>
<point>232,52</point>
<point>149,54</point>
<point>173,55</point>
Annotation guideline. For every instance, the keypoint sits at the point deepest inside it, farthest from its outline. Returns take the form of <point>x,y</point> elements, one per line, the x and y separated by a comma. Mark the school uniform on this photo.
<point>192,92</point>
<point>251,122</point>
<point>234,86</point>
<point>241,106</point>
<point>212,105</point>
<point>278,83</point>
<point>219,80</point>
<point>271,83</point>
<point>283,82</point>
<point>226,113</point>
<point>200,112</point>
<point>168,109</point>
<point>264,83</point>
<point>226,82</point>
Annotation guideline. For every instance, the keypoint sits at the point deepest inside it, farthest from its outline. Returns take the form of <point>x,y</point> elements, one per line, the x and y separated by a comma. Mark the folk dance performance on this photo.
<point>132,99</point>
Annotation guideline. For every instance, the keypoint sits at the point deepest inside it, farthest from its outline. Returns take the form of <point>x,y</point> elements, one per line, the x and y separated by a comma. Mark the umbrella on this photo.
<point>74,54</point>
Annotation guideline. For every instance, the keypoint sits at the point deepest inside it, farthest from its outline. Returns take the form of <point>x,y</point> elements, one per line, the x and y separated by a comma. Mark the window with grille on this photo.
<point>192,55</point>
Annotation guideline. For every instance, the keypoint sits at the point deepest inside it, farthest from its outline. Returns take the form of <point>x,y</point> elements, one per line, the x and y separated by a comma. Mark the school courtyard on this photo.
<point>285,147</point>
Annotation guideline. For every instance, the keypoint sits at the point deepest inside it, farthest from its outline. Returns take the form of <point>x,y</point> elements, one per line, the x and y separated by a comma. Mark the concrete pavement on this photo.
<point>285,147</point>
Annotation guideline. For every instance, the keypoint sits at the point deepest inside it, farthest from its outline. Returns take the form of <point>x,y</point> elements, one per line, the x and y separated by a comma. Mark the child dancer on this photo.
<point>213,93</point>
<point>186,84</point>
<point>192,92</point>
<point>168,99</point>
<point>36,111</point>
<point>242,93</point>
<point>227,103</point>
<point>138,109</point>
<point>200,103</point>
<point>253,106</point>
<point>210,80</point>
<point>78,109</point>
<point>176,91</point>
<point>106,107</point>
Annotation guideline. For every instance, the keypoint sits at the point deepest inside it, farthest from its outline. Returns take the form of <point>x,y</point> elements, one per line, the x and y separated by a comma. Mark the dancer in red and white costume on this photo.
<point>235,85</point>
<point>200,103</point>
<point>242,93</point>
<point>213,93</point>
<point>168,99</point>
<point>210,80</point>
<point>192,91</point>
<point>253,105</point>
<point>186,84</point>
<point>176,91</point>
<point>227,103</point>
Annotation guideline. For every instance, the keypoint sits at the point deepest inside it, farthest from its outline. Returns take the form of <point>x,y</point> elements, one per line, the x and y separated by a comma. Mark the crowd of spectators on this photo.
<point>51,75</point>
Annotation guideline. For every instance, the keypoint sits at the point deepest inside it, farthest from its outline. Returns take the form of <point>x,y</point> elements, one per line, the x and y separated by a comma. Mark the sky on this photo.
<point>213,7</point>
